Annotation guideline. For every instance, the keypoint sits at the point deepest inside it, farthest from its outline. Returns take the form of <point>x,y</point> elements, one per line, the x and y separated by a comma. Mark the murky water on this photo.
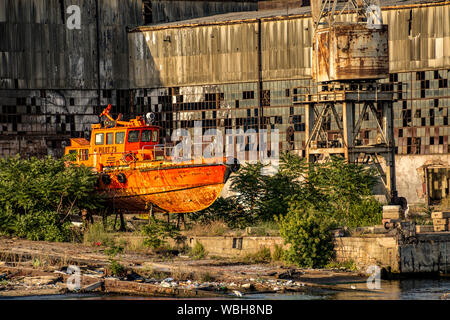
<point>412,289</point>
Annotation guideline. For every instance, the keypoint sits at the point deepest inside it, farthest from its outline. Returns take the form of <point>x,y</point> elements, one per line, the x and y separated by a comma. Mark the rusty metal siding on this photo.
<point>351,51</point>
<point>285,45</point>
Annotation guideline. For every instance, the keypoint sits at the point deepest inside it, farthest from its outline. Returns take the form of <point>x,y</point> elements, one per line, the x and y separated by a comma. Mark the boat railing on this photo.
<point>159,151</point>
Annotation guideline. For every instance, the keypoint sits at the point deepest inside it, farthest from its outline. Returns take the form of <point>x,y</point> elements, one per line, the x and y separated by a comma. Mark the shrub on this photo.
<point>156,232</point>
<point>42,225</point>
<point>198,251</point>
<point>277,254</point>
<point>98,235</point>
<point>308,236</point>
<point>36,196</point>
<point>261,256</point>
<point>116,268</point>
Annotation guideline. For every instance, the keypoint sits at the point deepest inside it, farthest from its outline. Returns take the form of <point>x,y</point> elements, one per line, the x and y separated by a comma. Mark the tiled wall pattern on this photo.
<point>421,114</point>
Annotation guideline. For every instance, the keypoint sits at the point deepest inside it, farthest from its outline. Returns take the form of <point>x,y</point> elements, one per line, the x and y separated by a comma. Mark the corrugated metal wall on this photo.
<point>227,52</point>
<point>203,55</point>
<point>173,10</point>
<point>37,49</point>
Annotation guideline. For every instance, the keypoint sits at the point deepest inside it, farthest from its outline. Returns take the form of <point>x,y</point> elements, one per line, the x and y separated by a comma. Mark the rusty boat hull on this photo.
<point>171,188</point>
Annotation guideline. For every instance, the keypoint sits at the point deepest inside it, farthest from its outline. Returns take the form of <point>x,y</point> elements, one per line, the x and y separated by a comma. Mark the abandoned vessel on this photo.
<point>136,173</point>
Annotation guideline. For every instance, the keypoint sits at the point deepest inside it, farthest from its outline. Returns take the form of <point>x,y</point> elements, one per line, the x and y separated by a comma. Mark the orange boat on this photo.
<point>136,173</point>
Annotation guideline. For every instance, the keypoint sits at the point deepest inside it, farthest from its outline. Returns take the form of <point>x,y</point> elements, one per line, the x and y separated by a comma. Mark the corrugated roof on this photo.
<point>247,16</point>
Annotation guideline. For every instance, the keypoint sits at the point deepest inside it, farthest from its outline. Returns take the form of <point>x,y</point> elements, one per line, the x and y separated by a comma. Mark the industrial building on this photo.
<point>225,68</point>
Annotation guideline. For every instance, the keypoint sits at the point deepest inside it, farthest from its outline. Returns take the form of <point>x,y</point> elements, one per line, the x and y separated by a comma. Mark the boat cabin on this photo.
<point>115,143</point>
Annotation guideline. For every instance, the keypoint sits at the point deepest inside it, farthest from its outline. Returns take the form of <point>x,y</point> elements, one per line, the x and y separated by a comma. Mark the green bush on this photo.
<point>278,252</point>
<point>198,251</point>
<point>307,198</point>
<point>42,225</point>
<point>309,238</point>
<point>36,196</point>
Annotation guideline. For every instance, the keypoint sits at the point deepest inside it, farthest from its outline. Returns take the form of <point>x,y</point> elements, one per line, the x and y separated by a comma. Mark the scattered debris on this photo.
<point>237,293</point>
<point>93,286</point>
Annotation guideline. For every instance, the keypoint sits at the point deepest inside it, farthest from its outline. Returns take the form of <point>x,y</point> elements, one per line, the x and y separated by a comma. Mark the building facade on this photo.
<point>195,62</point>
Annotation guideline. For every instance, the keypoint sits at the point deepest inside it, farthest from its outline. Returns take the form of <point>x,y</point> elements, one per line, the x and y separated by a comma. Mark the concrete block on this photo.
<point>424,228</point>
<point>440,221</point>
<point>440,227</point>
<point>393,212</point>
<point>393,215</point>
<point>440,215</point>
<point>392,208</point>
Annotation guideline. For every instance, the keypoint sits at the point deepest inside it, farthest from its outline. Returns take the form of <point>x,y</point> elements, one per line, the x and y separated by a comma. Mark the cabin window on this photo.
<point>133,136</point>
<point>146,136</point>
<point>99,138</point>
<point>83,154</point>
<point>120,137</point>
<point>155,136</point>
<point>110,138</point>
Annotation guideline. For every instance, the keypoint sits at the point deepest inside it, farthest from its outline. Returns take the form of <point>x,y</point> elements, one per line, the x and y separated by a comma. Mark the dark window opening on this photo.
<point>438,180</point>
<point>133,136</point>
<point>237,243</point>
<point>248,95</point>
<point>265,98</point>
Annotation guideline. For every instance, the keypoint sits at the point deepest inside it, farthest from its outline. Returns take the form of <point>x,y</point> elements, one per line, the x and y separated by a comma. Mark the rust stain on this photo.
<point>352,51</point>
<point>176,189</point>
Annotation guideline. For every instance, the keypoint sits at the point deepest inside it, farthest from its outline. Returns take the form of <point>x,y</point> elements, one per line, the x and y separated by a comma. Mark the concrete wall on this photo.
<point>39,51</point>
<point>366,251</point>
<point>227,246</point>
<point>432,254</point>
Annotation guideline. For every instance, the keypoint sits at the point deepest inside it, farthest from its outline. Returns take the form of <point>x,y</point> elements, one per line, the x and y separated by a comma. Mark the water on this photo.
<point>412,289</point>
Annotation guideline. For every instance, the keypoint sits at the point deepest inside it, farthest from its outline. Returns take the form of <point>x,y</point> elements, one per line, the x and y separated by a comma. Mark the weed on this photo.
<point>277,254</point>
<point>157,231</point>
<point>347,265</point>
<point>261,256</point>
<point>205,277</point>
<point>116,268</point>
<point>198,251</point>
<point>182,275</point>
<point>96,234</point>
<point>37,262</point>
<point>211,228</point>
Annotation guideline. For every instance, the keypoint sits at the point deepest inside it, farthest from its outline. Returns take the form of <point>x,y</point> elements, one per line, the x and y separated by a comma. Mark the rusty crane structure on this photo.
<point>349,54</point>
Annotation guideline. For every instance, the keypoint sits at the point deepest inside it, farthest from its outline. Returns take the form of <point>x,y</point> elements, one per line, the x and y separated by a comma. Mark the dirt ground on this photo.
<point>29,268</point>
